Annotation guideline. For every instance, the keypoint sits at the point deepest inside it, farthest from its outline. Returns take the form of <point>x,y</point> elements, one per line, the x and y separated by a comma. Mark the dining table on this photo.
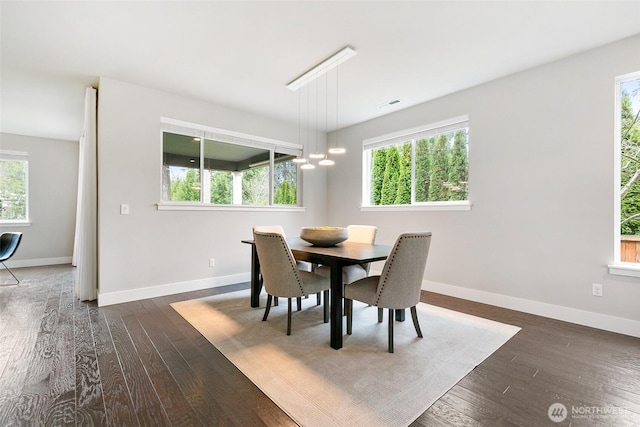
<point>335,257</point>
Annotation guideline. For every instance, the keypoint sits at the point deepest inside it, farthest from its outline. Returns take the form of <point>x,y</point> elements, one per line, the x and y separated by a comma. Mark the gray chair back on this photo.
<point>401,279</point>
<point>270,229</point>
<point>362,234</point>
<point>277,265</point>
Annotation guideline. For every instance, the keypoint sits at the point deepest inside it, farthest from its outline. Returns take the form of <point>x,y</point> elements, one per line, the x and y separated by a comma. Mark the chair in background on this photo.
<point>399,285</point>
<point>281,276</point>
<point>9,243</point>
<point>351,273</point>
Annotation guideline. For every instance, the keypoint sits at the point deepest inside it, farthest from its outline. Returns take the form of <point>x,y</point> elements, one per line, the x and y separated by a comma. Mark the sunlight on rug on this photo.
<point>361,384</point>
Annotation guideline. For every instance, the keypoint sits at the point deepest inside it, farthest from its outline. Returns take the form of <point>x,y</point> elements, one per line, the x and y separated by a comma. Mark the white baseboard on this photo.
<point>37,262</point>
<point>567,314</point>
<point>169,289</point>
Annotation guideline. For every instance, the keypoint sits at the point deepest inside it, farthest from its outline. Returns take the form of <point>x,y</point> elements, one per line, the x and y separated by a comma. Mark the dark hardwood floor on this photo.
<point>64,362</point>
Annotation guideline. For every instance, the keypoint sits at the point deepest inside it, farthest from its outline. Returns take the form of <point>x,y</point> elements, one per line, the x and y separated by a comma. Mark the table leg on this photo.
<point>336,306</point>
<point>255,278</point>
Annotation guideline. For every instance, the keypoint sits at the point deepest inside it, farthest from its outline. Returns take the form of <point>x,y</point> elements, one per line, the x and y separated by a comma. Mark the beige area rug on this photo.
<point>361,384</point>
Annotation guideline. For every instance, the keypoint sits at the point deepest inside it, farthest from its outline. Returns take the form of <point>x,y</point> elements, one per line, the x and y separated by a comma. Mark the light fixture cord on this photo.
<point>317,108</point>
<point>326,105</point>
<point>308,108</point>
<point>300,120</point>
<point>336,138</point>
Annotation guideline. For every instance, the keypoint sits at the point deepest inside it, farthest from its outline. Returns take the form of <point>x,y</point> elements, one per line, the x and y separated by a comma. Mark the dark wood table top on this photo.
<point>345,251</point>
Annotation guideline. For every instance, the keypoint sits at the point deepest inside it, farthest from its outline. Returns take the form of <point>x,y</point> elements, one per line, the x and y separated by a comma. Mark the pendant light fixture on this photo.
<point>336,149</point>
<point>301,158</point>
<point>316,154</point>
<point>326,161</point>
<point>303,80</point>
<point>307,165</point>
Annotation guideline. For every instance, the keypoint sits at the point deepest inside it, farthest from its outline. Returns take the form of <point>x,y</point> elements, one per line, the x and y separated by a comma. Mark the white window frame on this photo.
<point>21,156</point>
<point>233,137</point>
<point>618,267</point>
<point>403,136</point>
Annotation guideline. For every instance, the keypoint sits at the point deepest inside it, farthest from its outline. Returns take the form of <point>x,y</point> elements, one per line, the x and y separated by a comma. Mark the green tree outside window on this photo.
<point>439,171</point>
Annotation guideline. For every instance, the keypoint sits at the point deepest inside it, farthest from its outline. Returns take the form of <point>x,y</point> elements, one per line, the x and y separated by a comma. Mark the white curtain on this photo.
<point>85,248</point>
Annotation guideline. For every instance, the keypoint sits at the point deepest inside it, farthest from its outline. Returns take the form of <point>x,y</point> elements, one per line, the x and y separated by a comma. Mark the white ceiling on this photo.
<point>241,54</point>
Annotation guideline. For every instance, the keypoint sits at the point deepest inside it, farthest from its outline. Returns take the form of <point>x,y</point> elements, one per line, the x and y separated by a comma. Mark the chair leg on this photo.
<point>267,308</point>
<point>299,301</point>
<point>289,316</point>
<point>414,316</point>
<point>348,308</point>
<point>391,320</point>
<point>275,301</point>
<point>11,272</point>
<point>318,298</point>
<point>326,306</point>
<point>379,315</point>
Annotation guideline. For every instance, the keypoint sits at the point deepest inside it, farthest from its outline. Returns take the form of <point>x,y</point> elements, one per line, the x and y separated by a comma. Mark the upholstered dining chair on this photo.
<point>351,273</point>
<point>9,243</point>
<point>281,276</point>
<point>398,286</point>
<point>302,265</point>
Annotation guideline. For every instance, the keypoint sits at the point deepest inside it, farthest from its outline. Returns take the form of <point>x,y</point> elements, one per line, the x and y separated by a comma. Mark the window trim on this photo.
<point>425,131</point>
<point>23,156</point>
<point>191,206</point>
<point>617,267</point>
<point>232,137</point>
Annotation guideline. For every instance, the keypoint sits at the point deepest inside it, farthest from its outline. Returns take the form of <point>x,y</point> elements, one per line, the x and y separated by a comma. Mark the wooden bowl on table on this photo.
<point>324,236</point>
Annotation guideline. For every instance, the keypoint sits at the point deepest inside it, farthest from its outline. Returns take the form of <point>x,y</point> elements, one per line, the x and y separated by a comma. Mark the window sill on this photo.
<point>15,223</point>
<point>228,208</point>
<point>625,269</point>
<point>432,206</point>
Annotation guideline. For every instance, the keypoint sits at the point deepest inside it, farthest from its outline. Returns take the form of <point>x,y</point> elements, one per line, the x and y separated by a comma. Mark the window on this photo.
<point>427,166</point>
<point>208,166</point>
<point>14,187</point>
<point>627,240</point>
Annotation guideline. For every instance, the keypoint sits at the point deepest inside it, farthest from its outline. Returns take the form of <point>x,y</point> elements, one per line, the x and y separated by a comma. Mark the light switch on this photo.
<point>124,209</point>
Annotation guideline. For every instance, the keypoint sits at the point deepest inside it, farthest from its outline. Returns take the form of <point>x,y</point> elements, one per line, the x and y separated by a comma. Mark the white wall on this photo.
<point>151,252</point>
<point>540,231</point>
<point>53,185</point>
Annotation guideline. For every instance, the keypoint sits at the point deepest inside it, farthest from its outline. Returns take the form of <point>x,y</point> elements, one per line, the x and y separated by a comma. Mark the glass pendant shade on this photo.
<point>337,150</point>
<point>308,166</point>
<point>326,162</point>
<point>316,156</point>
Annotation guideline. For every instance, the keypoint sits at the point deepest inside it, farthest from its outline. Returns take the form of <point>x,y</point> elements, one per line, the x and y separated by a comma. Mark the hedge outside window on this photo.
<point>419,166</point>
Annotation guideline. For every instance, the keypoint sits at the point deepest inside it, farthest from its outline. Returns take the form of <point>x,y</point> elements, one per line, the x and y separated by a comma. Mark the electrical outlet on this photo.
<point>597,290</point>
<point>212,262</point>
<point>124,209</point>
